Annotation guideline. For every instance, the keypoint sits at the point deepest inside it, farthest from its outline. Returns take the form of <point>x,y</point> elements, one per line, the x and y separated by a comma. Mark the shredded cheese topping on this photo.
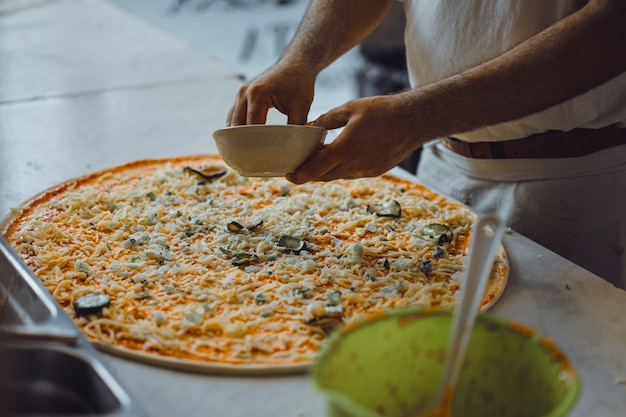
<point>155,238</point>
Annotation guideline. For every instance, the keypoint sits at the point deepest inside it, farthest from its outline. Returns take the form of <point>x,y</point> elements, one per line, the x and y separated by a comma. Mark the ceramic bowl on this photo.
<point>393,365</point>
<point>268,150</point>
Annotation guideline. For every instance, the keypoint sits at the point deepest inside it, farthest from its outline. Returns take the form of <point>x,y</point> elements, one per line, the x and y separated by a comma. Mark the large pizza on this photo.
<point>184,262</point>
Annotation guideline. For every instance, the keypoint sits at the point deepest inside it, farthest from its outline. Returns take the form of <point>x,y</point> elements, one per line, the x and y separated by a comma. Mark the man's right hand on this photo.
<point>289,89</point>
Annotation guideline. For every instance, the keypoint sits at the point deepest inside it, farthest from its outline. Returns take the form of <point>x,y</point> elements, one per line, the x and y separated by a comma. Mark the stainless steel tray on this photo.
<point>47,367</point>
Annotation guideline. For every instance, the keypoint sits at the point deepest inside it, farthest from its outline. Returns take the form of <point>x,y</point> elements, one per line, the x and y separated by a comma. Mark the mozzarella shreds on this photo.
<point>182,283</point>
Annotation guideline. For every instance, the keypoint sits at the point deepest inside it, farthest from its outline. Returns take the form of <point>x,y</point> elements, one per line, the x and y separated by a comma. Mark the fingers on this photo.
<point>297,116</point>
<point>238,112</point>
<point>257,113</point>
<point>323,165</point>
<point>251,107</point>
<point>312,170</point>
<point>289,90</point>
<point>318,167</point>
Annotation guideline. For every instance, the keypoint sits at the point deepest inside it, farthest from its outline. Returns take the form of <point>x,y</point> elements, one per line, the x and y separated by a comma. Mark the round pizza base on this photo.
<point>494,290</point>
<point>181,364</point>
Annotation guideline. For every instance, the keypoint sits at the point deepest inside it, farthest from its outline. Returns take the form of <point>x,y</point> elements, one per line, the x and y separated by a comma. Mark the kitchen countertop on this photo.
<point>85,86</point>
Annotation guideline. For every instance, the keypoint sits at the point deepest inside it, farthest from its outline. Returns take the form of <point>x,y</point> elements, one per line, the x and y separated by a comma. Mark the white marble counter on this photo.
<point>84,86</point>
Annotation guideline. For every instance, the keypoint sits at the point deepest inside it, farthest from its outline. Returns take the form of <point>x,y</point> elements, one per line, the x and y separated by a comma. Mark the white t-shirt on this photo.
<point>447,37</point>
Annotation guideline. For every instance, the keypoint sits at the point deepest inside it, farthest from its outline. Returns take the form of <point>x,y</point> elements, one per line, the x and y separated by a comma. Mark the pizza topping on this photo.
<point>440,233</point>
<point>358,251</point>
<point>328,318</point>
<point>236,227</point>
<point>300,292</point>
<point>259,298</point>
<point>439,252</point>
<point>333,298</point>
<point>255,226</point>
<point>242,259</point>
<point>207,173</point>
<point>159,318</point>
<point>82,266</point>
<point>426,266</point>
<point>327,324</point>
<point>225,251</point>
<point>142,294</point>
<point>387,208</point>
<point>333,309</point>
<point>91,303</point>
<point>292,244</point>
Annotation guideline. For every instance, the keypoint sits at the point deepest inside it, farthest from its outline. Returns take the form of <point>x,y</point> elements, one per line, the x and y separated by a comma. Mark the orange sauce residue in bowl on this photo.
<point>557,355</point>
<point>444,408</point>
<point>521,328</point>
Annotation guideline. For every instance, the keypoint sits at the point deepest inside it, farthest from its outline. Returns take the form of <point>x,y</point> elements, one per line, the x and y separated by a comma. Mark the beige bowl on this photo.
<point>268,150</point>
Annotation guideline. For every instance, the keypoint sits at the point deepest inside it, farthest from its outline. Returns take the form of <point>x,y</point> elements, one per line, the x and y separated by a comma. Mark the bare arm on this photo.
<point>567,59</point>
<point>328,29</point>
<point>573,56</point>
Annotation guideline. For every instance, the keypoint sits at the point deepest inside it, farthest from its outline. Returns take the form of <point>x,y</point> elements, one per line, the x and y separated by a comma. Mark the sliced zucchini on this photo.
<point>387,208</point>
<point>91,303</point>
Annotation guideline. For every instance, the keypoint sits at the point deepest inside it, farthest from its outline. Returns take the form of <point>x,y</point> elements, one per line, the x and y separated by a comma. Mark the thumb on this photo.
<point>333,119</point>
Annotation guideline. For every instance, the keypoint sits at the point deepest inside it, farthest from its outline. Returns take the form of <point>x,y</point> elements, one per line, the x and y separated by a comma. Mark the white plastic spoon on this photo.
<point>484,243</point>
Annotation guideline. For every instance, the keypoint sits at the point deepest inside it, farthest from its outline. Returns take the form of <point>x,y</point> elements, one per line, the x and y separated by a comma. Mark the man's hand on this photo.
<point>377,134</point>
<point>289,90</point>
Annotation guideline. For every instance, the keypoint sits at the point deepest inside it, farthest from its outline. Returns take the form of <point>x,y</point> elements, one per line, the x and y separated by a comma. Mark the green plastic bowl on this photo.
<point>392,366</point>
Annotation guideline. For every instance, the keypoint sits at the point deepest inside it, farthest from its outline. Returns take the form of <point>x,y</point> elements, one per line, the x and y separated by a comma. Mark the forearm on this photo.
<point>330,28</point>
<point>571,57</point>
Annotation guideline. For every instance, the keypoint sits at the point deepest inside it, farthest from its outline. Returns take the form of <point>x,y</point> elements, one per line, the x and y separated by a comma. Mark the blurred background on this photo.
<point>249,35</point>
